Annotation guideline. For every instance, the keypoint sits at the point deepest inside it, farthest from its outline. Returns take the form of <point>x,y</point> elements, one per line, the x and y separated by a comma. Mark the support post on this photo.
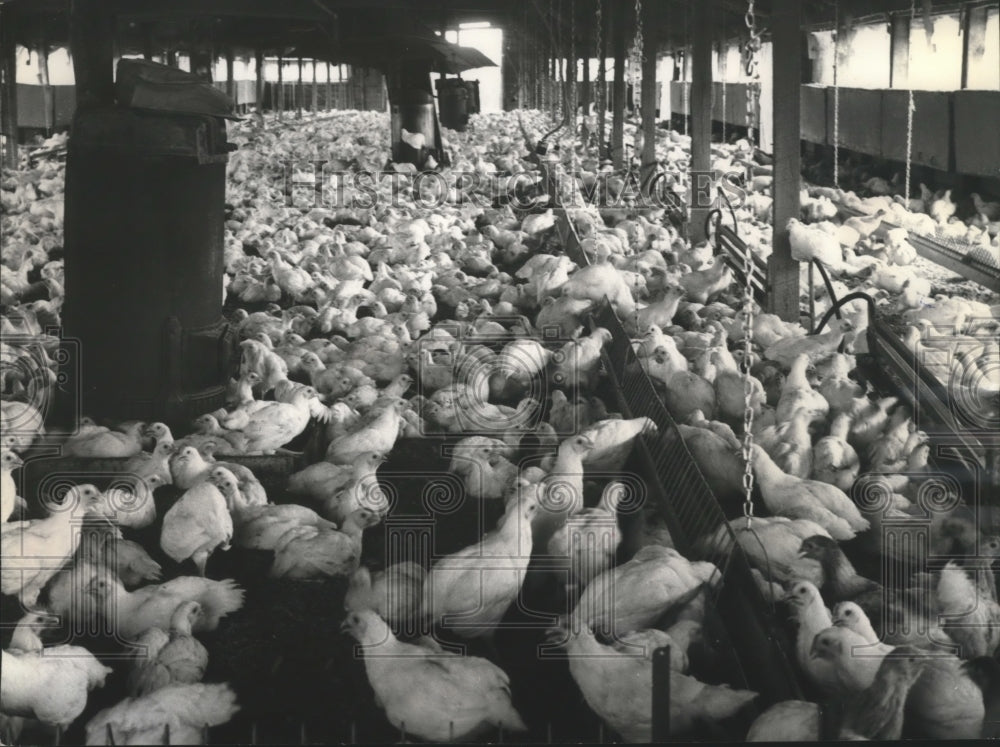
<point>230,82</point>
<point>974,39</point>
<point>782,270</point>
<point>651,34</point>
<point>43,79</point>
<point>899,41</point>
<point>618,92</point>
<point>91,42</point>
<point>281,87</point>
<point>583,54</point>
<point>329,88</point>
<point>172,57</point>
<point>258,60</point>
<point>147,42</point>
<point>299,92</point>
<point>314,106</point>
<point>701,118</point>
<point>8,90</point>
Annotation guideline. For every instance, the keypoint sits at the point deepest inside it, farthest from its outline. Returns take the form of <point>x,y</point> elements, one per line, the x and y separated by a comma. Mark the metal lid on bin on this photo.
<point>148,85</point>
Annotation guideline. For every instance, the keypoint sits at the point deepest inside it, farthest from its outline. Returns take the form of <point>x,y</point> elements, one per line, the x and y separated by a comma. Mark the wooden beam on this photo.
<point>8,87</point>
<point>586,94</point>
<point>782,270</point>
<point>91,43</point>
<point>899,50</point>
<point>701,118</point>
<point>618,92</point>
<point>651,41</point>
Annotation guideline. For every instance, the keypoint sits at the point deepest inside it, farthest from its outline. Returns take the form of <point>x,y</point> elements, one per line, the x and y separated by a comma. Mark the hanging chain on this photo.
<point>723,66</point>
<point>599,88</point>
<point>910,108</point>
<point>836,97</point>
<point>752,70</point>
<point>753,45</point>
<point>637,56</point>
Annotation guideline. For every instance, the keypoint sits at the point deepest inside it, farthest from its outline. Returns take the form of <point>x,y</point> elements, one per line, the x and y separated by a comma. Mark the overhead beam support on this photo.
<point>783,271</point>
<point>701,117</point>
<point>258,59</point>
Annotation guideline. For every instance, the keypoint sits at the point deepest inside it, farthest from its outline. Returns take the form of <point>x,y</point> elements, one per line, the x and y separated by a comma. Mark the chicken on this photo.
<point>854,661</point>
<point>394,593</point>
<point>772,545</point>
<point>576,366</point>
<point>320,480</point>
<point>834,460</point>
<point>971,615</point>
<point>590,537</point>
<point>702,285</point>
<point>594,282</point>
<point>196,525</point>
<point>787,721</point>
<point>716,452</point>
<point>34,551</point>
<point>169,657</point>
<point>618,687</point>
<point>635,594</point>
<point>612,442</point>
<point>878,711</point>
<point>133,565</point>
<point>810,243</point>
<point>435,696</point>
<point>277,423</point>
<point>468,592</point>
<point>51,684</point>
<point>133,613</point>
<point>942,207</point>
<point>310,552</point>
<point>377,433</point>
<point>9,461</point>
<point>687,393</point>
<point>795,498</point>
<point>176,714</point>
<point>817,347</point>
<point>944,702</point>
<point>898,249</point>
<point>798,394</point>
<point>105,444</point>
<point>840,392</point>
<point>560,492</point>
<point>811,617</point>
<point>789,444</point>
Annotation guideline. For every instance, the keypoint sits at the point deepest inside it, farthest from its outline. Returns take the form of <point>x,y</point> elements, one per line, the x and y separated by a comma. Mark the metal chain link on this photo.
<point>599,88</point>
<point>638,55</point>
<point>753,46</point>
<point>751,68</point>
<point>836,97</point>
<point>910,108</point>
<point>723,66</point>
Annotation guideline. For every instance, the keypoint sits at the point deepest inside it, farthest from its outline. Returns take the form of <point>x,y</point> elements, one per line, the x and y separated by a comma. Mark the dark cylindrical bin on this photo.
<point>453,98</point>
<point>413,110</point>
<point>145,201</point>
